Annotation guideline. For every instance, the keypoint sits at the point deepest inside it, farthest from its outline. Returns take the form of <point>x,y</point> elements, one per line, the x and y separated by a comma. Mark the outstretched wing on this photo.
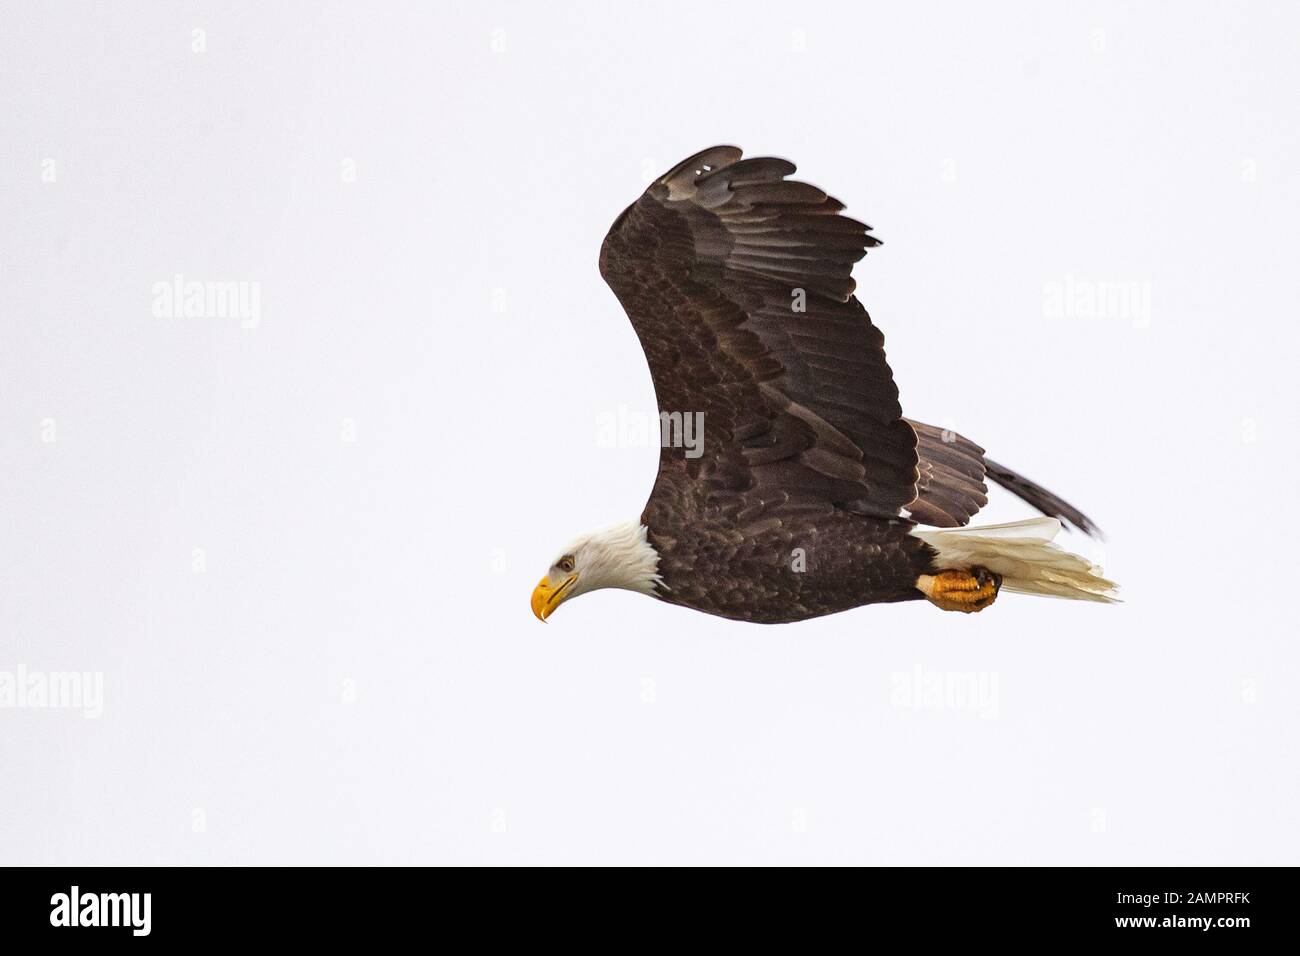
<point>738,283</point>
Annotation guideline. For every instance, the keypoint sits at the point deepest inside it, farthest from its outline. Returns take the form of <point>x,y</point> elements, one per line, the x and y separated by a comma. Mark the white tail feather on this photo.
<point>1023,554</point>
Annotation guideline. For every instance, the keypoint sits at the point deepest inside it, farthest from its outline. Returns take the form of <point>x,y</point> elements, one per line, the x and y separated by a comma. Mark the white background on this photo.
<point>356,676</point>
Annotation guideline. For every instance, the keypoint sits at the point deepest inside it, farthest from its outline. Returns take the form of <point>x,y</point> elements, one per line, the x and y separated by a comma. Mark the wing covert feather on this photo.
<point>739,285</point>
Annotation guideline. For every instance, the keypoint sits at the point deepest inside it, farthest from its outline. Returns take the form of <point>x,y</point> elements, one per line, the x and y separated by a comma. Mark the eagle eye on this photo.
<point>565,564</point>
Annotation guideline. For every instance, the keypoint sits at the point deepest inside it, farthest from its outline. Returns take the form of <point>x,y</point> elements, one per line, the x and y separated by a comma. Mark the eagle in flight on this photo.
<point>811,493</point>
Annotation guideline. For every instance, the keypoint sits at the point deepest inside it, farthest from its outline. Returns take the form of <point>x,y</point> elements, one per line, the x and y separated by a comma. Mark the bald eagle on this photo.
<point>811,492</point>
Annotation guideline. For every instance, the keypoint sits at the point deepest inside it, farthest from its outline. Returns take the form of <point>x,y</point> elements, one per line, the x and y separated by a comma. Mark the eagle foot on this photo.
<point>961,590</point>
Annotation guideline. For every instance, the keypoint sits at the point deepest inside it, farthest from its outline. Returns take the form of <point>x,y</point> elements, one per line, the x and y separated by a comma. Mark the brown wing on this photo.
<point>951,486</point>
<point>950,489</point>
<point>738,283</point>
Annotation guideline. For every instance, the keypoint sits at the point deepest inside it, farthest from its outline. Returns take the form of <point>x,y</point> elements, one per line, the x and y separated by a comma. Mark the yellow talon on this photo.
<point>960,590</point>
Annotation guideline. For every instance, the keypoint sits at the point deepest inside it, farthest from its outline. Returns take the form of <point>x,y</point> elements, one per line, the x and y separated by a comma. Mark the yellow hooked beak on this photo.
<point>546,598</point>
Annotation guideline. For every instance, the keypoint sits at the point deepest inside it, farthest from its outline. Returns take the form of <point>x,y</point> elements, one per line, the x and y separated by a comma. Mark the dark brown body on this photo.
<point>776,571</point>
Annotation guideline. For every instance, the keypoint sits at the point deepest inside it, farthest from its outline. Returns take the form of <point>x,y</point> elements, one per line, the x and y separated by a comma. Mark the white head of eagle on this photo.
<point>615,557</point>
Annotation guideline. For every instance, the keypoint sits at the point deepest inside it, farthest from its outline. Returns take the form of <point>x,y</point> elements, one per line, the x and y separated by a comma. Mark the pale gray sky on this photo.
<point>298,549</point>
